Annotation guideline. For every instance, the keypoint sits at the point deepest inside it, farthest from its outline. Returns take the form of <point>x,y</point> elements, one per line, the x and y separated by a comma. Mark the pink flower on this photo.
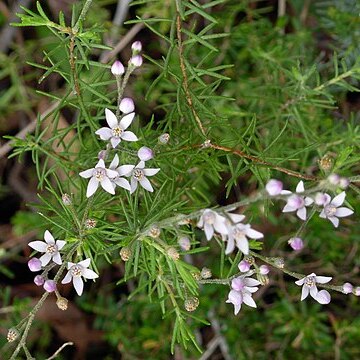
<point>264,269</point>
<point>347,288</point>
<point>50,286</point>
<point>136,46</point>
<point>39,280</point>
<point>308,284</point>
<point>139,175</point>
<point>244,266</point>
<point>296,243</point>
<point>211,222</point>
<point>136,61</point>
<point>117,68</point>
<point>34,264</point>
<point>274,187</point>
<point>127,105</point>
<point>121,171</point>
<point>145,153</point>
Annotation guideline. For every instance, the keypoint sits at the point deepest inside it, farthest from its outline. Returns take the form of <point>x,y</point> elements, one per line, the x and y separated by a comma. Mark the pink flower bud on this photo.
<point>334,179</point>
<point>244,266</point>
<point>136,60</point>
<point>102,155</point>
<point>39,280</point>
<point>274,187</point>
<point>296,243</point>
<point>145,153</point>
<point>136,46</point>
<point>34,264</point>
<point>344,183</point>
<point>117,68</point>
<point>320,199</point>
<point>50,286</point>
<point>264,269</point>
<point>184,243</point>
<point>357,291</point>
<point>347,288</point>
<point>127,105</point>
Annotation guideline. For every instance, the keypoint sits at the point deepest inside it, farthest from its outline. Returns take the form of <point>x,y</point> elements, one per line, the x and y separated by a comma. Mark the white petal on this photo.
<point>133,185</point>
<point>288,208</point>
<point>60,244</point>
<point>89,274</point>
<point>301,213</point>
<point>48,237</point>
<point>45,259</point>
<point>127,120</point>
<point>323,297</point>
<point>57,259</point>
<point>122,183</point>
<point>85,263</point>
<point>107,185</point>
<point>343,211</point>
<point>125,170</point>
<point>308,201</point>
<point>339,199</point>
<point>251,282</point>
<point>111,173</point>
<point>304,292</point>
<point>87,173</point>
<point>236,218</point>
<point>248,300</point>
<point>285,192</point>
<point>38,245</point>
<point>230,246</point>
<point>69,265</point>
<point>100,164</point>
<point>253,234</point>
<point>220,225</point>
<point>67,278</point>
<point>111,118</point>
<point>105,133</point>
<point>78,285</point>
<point>151,172</point>
<point>129,136</point>
<point>209,231</point>
<point>300,282</point>
<point>313,292</point>
<point>115,141</point>
<point>145,183</point>
<point>334,220</point>
<point>251,289</point>
<point>140,165</point>
<point>243,245</point>
<point>322,214</point>
<point>115,162</point>
<point>323,279</point>
<point>300,187</point>
<point>92,187</point>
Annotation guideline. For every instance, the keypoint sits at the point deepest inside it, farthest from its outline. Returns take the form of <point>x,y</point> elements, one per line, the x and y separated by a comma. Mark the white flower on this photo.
<point>332,209</point>
<point>99,175</point>
<point>274,187</point>
<point>138,175</point>
<point>76,271</point>
<point>50,247</point>
<point>239,234</point>
<point>308,284</point>
<point>242,290</point>
<point>116,130</point>
<point>121,171</point>
<point>296,202</point>
<point>211,222</point>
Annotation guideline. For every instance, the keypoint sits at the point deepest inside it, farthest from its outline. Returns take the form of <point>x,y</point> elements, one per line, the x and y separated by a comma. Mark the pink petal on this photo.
<point>60,244</point>
<point>243,245</point>
<point>322,214</point>
<point>301,213</point>
<point>140,165</point>
<point>78,285</point>
<point>127,120</point>
<point>253,234</point>
<point>343,211</point>
<point>251,282</point>
<point>236,218</point>
<point>104,133</point>
<point>38,245</point>
<point>220,225</point>
<point>339,199</point>
<point>313,292</point>
<point>111,118</point>
<point>300,282</point>
<point>230,246</point>
<point>100,164</point>
<point>111,173</point>
<point>129,136</point>
<point>308,201</point>
<point>92,187</point>
<point>248,300</point>
<point>288,208</point>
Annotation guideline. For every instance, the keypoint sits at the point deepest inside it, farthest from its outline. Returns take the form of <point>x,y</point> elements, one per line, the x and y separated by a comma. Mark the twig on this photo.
<point>57,352</point>
<point>82,15</point>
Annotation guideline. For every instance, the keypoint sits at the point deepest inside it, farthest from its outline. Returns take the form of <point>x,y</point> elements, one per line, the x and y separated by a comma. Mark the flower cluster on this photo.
<point>51,249</point>
<point>116,132</point>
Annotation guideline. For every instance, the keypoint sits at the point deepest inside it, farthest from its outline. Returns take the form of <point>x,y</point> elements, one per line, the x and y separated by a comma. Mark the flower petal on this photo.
<point>209,231</point>
<point>114,163</point>
<point>253,234</point>
<point>38,245</point>
<point>230,246</point>
<point>48,237</point>
<point>343,211</point>
<point>85,263</point>
<point>45,259</point>
<point>322,214</point>
<point>105,133</point>
<point>111,118</point>
<point>323,297</point>
<point>107,185</point>
<point>87,173</point>
<point>251,282</point>
<point>129,136</point>
<point>145,183</point>
<point>115,141</point>
<point>334,220</point>
<point>300,187</point>
<point>67,278</point>
<point>339,199</point>
<point>300,282</point>
<point>243,245</point>
<point>78,285</point>
<point>248,300</point>
<point>304,293</point>
<point>288,208</point>
<point>125,170</point>
<point>57,258</point>
<point>308,201</point>
<point>127,120</point>
<point>133,185</point>
<point>301,213</point>
<point>220,225</point>
<point>323,279</point>
<point>313,292</point>
<point>60,244</point>
<point>151,172</point>
<point>236,218</point>
<point>89,274</point>
<point>100,164</point>
<point>111,173</point>
<point>92,187</point>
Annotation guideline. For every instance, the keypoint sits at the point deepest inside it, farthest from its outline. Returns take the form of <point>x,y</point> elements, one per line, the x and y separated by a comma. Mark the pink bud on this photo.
<point>347,288</point>
<point>145,153</point>
<point>50,286</point>
<point>127,105</point>
<point>296,201</point>
<point>39,280</point>
<point>184,243</point>
<point>244,266</point>
<point>264,269</point>
<point>102,155</point>
<point>136,60</point>
<point>320,199</point>
<point>117,68</point>
<point>34,264</point>
<point>344,183</point>
<point>296,243</point>
<point>274,187</point>
<point>334,179</point>
<point>357,291</point>
<point>136,46</point>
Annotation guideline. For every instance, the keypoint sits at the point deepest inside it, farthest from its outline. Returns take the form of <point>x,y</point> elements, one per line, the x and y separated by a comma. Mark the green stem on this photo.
<point>83,13</point>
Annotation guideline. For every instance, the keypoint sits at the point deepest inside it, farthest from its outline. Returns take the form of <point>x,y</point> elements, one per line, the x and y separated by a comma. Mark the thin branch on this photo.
<point>57,352</point>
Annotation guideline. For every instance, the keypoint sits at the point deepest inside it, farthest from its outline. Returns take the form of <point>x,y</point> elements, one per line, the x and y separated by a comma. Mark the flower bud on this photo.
<point>50,286</point>
<point>145,153</point>
<point>264,269</point>
<point>154,231</point>
<point>39,280</point>
<point>117,68</point>
<point>136,60</point>
<point>136,47</point>
<point>344,183</point>
<point>184,243</point>
<point>206,273</point>
<point>164,138</point>
<point>125,253</point>
<point>274,187</point>
<point>127,105</point>
<point>244,266</point>
<point>12,335</point>
<point>90,223</point>
<point>66,199</point>
<point>173,253</point>
<point>62,303</point>
<point>34,264</point>
<point>334,179</point>
<point>191,304</point>
<point>320,199</point>
<point>326,163</point>
<point>296,243</point>
<point>102,155</point>
<point>264,279</point>
<point>196,275</point>
<point>279,262</point>
<point>347,288</point>
<point>357,291</point>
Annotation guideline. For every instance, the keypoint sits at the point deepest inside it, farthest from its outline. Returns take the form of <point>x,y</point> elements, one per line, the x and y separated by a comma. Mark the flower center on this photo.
<point>310,281</point>
<point>209,218</point>
<point>52,249</point>
<point>138,174</point>
<point>238,233</point>
<point>296,202</point>
<point>330,210</point>
<point>99,174</point>
<point>117,131</point>
<point>76,270</point>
